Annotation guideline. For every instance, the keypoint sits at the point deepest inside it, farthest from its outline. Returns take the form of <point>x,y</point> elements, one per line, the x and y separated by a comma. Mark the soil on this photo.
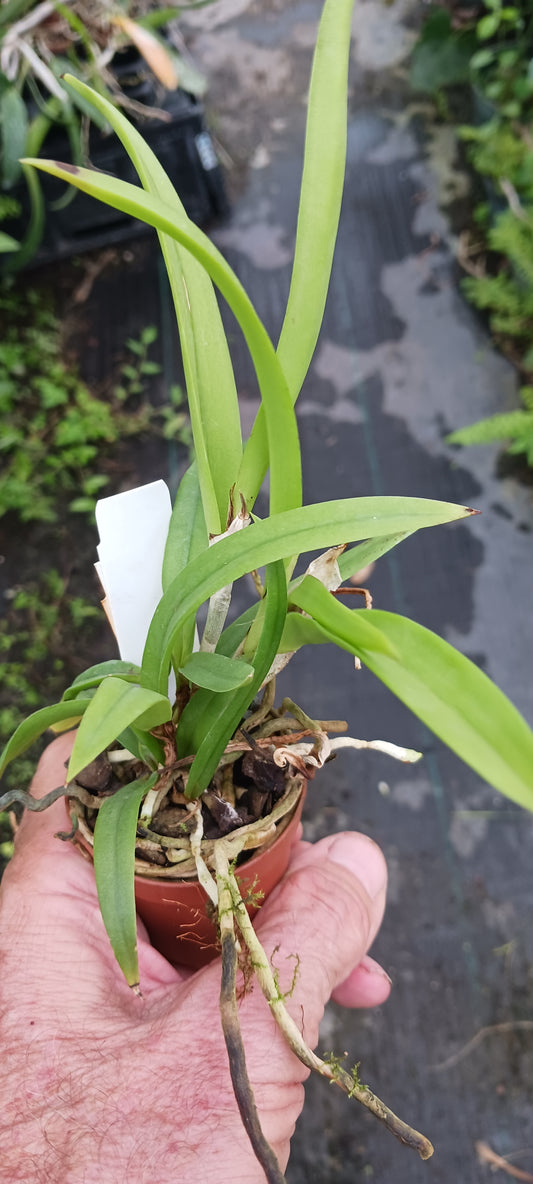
<point>243,790</point>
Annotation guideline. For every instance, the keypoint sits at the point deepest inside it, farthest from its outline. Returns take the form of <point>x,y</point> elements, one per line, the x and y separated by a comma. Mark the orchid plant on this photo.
<point>214,538</point>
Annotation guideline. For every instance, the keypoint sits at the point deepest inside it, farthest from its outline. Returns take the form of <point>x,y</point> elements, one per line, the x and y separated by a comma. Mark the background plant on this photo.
<point>55,434</point>
<point>491,47</point>
<point>40,40</point>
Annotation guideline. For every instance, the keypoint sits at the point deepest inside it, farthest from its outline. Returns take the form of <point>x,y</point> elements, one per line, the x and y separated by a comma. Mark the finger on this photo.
<point>368,985</point>
<point>304,854</point>
<point>325,913</point>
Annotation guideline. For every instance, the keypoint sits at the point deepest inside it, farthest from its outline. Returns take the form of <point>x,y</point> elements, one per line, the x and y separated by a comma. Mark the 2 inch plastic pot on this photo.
<point>176,911</point>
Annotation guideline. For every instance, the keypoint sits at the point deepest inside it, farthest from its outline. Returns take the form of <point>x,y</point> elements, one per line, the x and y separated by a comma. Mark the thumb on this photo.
<point>325,913</point>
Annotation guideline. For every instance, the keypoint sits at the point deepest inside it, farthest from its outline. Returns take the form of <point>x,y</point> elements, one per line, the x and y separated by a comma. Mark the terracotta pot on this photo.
<point>175,912</point>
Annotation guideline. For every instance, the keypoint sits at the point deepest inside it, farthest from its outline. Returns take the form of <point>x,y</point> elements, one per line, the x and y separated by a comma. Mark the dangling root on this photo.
<point>333,1071</point>
<point>231,1027</point>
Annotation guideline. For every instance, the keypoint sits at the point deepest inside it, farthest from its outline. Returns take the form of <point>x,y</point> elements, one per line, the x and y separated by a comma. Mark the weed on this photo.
<point>55,433</point>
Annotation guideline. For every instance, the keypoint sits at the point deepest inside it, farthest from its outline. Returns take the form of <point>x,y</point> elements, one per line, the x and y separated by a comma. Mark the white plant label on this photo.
<point>133,528</point>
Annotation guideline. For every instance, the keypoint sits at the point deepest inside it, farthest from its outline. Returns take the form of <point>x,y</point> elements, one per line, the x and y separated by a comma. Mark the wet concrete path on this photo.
<point>402,359</point>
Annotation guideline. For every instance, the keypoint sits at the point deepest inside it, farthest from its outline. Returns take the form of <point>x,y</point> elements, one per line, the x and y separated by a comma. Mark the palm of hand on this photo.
<point>104,1086</point>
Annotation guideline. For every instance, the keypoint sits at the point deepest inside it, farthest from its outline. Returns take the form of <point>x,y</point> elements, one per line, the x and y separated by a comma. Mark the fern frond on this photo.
<point>509,425</point>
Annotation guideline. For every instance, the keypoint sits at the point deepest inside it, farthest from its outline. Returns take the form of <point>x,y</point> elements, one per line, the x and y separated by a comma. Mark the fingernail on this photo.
<point>372,967</point>
<point>363,858</point>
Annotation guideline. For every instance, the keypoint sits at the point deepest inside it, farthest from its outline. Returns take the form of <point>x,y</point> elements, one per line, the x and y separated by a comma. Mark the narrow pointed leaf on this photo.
<point>209,721</point>
<point>187,533</point>
<point>114,868</point>
<point>336,620</point>
<point>279,537</point>
<point>115,706</point>
<point>215,672</point>
<point>359,557</point>
<point>300,630</point>
<point>445,690</point>
<point>459,703</point>
<point>14,130</point>
<point>36,724</point>
<point>215,422</point>
<point>282,432</point>
<point>234,634</point>
<point>318,215</point>
<point>187,537</point>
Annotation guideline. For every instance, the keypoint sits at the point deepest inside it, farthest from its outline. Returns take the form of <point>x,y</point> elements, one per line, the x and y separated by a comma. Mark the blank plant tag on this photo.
<point>133,528</point>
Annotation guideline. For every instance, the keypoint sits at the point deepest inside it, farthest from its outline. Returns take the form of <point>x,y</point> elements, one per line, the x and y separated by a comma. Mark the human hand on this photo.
<point>98,1085</point>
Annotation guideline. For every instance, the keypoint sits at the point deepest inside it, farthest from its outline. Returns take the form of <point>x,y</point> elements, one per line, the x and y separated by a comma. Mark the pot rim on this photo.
<point>258,836</point>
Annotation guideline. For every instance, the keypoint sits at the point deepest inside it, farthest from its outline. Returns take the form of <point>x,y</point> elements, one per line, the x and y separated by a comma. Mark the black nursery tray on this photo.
<point>184,147</point>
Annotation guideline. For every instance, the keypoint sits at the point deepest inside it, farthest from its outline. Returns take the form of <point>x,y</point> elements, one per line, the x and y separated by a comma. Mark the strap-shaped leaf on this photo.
<point>318,215</point>
<point>14,129</point>
<point>443,688</point>
<point>215,672</point>
<point>187,537</point>
<point>115,706</point>
<point>114,869</point>
<point>68,714</point>
<point>282,431</point>
<point>209,721</point>
<point>358,557</point>
<point>187,533</point>
<point>279,537</point>
<point>230,640</point>
<point>206,359</point>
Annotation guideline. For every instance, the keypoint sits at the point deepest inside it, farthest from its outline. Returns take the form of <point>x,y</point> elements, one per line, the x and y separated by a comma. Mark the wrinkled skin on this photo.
<point>101,1087</point>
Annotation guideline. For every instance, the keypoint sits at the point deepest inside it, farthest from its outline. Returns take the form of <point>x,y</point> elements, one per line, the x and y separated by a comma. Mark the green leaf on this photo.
<point>215,422</point>
<point>209,721</point>
<point>459,703</point>
<point>442,55</point>
<point>336,619</point>
<point>215,672</point>
<point>95,674</point>
<point>319,210</point>
<point>234,634</point>
<point>279,537</point>
<point>144,746</point>
<point>115,706</point>
<point>187,537</point>
<point>503,426</point>
<point>8,244</point>
<point>300,630</point>
<point>37,723</point>
<point>488,26</point>
<point>444,689</point>
<point>282,432</point>
<point>187,534</point>
<point>14,129</point>
<point>354,560</point>
<point>114,870</point>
